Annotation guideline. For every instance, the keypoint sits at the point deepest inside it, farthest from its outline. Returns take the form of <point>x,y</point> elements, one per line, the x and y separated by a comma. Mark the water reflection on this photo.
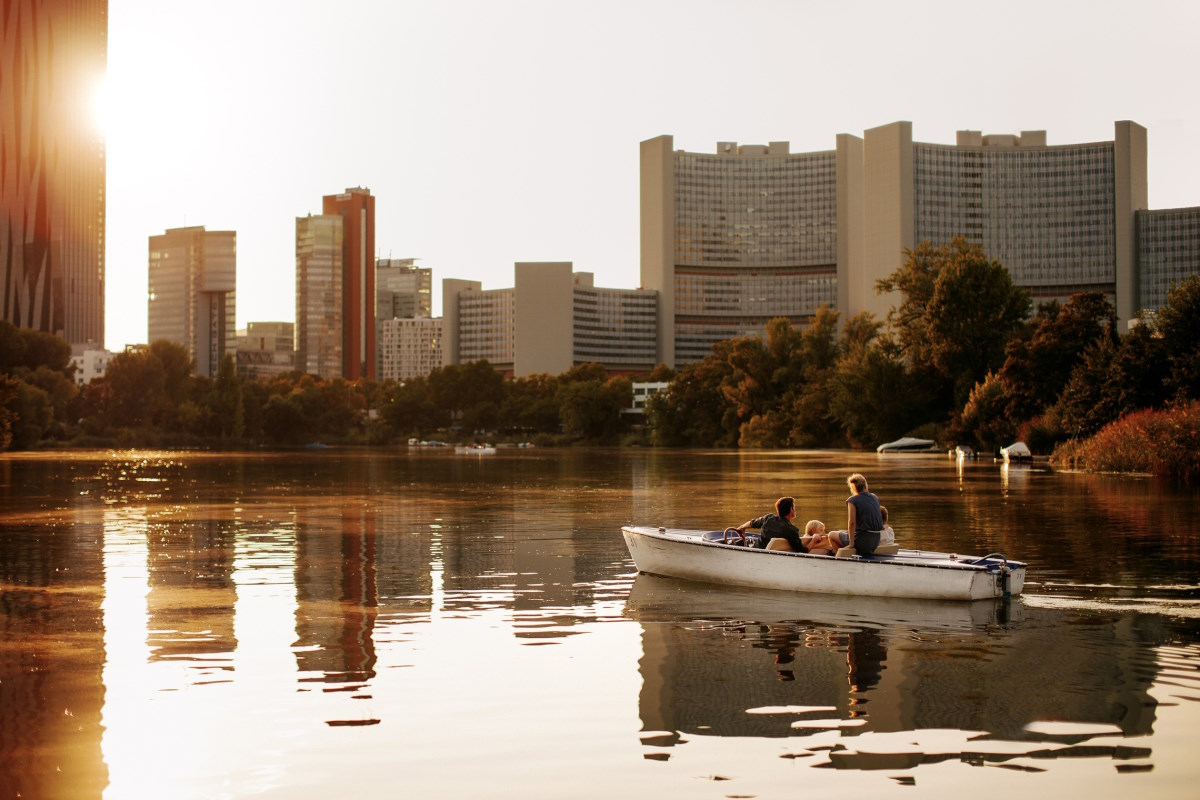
<point>205,625</point>
<point>713,664</point>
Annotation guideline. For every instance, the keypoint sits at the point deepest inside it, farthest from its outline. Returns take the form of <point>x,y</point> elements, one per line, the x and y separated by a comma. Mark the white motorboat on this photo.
<point>710,557</point>
<point>907,444</point>
<point>1017,451</point>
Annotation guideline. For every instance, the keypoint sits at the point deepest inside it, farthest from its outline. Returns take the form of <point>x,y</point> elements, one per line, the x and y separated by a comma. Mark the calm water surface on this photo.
<point>419,623</point>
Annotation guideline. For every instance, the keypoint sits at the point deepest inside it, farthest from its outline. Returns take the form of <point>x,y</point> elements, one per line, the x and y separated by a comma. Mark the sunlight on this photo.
<point>102,116</point>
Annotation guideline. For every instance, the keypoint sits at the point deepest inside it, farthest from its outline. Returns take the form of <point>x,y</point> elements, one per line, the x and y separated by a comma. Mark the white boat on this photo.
<point>705,556</point>
<point>907,444</point>
<point>1017,451</point>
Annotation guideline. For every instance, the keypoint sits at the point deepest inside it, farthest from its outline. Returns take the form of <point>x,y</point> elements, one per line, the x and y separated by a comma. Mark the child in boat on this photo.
<point>888,536</point>
<point>816,540</point>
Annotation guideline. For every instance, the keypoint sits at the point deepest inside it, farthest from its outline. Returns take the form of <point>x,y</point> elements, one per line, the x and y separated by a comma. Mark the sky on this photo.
<point>500,131</point>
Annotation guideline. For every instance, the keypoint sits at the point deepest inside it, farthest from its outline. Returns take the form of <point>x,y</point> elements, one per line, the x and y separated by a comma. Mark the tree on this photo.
<point>8,391</point>
<point>983,421</point>
<point>592,408</point>
<point>1036,370</point>
<point>959,311</point>
<point>1179,322</point>
<point>871,394</point>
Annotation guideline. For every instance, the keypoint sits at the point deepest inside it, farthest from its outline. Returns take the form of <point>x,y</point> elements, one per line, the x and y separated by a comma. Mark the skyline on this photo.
<point>492,134</point>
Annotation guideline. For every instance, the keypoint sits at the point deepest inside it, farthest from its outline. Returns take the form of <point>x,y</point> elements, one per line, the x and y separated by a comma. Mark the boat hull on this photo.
<point>688,554</point>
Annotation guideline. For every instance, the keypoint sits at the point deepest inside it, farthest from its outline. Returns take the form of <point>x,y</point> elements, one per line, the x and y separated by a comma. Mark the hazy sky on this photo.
<point>495,132</point>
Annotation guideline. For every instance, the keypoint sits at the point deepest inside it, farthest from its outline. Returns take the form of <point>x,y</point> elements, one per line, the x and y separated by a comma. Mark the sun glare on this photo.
<point>102,107</point>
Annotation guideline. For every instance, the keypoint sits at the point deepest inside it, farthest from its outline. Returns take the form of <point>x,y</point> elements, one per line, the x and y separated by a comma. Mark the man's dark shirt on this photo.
<point>775,527</point>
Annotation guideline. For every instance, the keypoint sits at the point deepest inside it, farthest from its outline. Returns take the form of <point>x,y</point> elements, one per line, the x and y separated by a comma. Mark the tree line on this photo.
<point>962,359</point>
<point>151,397</point>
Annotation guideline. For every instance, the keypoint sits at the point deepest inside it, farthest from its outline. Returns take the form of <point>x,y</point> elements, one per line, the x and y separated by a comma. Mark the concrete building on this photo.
<point>1168,244</point>
<point>409,347</point>
<point>1060,218</point>
<point>734,238</point>
<point>478,324</point>
<point>356,207</point>
<point>319,307</point>
<point>192,293</point>
<point>266,349</point>
<point>90,362</point>
<point>52,171</point>
<point>551,320</point>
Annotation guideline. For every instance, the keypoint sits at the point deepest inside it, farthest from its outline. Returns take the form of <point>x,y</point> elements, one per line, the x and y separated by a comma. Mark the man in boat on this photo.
<point>778,528</point>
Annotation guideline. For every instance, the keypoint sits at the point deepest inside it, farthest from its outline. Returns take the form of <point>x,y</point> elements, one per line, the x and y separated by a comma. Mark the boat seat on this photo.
<point>779,544</point>
<point>846,552</point>
<point>887,550</point>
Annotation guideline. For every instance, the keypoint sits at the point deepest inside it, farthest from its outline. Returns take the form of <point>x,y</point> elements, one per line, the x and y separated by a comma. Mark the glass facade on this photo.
<point>755,238</point>
<point>52,167</point>
<point>319,267</point>
<point>486,325</point>
<point>1046,213</point>
<point>616,328</point>
<point>1168,252</point>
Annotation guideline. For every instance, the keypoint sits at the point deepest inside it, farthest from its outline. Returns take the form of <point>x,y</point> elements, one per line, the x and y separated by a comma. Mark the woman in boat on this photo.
<point>865,521</point>
<point>778,527</point>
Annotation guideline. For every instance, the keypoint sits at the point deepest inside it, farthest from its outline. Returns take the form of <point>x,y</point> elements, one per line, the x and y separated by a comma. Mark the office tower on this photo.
<point>551,320</point>
<point>52,167</point>
<point>1061,218</point>
<point>193,277</point>
<point>319,286</point>
<point>402,289</point>
<point>735,238</point>
<point>356,207</point>
<point>409,347</point>
<point>1168,252</point>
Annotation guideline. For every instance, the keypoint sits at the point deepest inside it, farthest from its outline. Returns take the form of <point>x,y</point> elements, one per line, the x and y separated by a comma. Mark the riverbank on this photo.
<point>1164,443</point>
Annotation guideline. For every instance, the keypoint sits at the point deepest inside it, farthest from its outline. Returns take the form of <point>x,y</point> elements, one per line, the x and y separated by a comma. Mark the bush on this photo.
<point>1156,442</point>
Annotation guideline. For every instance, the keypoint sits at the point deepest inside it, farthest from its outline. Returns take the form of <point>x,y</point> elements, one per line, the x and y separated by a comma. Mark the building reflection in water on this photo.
<point>51,692</point>
<point>744,663</point>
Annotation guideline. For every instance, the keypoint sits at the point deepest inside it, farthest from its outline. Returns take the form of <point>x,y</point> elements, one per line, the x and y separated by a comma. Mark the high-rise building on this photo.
<point>402,289</point>
<point>1059,217</point>
<point>319,307</point>
<point>733,239</point>
<point>52,167</point>
<point>1168,252</point>
<point>752,232</point>
<point>192,300</point>
<point>356,207</point>
<point>551,320</point>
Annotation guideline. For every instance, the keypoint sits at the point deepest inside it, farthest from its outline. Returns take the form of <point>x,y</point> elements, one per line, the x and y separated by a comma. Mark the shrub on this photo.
<point>1165,442</point>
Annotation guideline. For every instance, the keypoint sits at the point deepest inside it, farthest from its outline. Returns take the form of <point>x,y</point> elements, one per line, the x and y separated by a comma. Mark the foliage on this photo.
<point>1179,322</point>
<point>982,423</point>
<point>1037,368</point>
<point>1159,442</point>
<point>960,310</point>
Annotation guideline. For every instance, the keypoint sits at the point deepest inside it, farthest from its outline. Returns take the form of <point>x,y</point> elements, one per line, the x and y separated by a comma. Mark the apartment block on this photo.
<point>192,293</point>
<point>409,347</point>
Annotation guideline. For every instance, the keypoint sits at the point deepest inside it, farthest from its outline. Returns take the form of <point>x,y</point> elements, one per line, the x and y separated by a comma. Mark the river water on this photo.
<point>416,623</point>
